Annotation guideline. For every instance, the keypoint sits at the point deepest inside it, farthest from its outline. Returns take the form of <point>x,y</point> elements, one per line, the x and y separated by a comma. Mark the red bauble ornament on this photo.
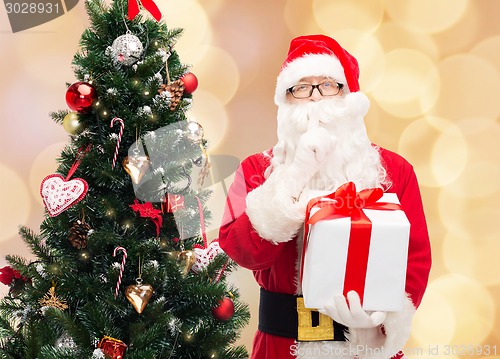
<point>224,310</point>
<point>80,96</point>
<point>190,82</point>
<point>112,348</point>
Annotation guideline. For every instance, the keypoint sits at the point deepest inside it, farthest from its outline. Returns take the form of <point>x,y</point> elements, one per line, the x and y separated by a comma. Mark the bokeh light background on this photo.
<point>430,67</point>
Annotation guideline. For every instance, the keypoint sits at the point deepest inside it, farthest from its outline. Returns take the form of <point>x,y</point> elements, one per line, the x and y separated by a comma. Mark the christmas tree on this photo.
<point>123,266</point>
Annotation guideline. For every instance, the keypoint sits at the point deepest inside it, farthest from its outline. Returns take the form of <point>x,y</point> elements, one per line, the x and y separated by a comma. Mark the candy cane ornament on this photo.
<point>122,267</point>
<point>120,134</point>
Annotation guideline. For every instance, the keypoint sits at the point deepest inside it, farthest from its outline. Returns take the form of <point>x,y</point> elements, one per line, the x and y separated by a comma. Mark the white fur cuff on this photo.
<point>273,213</point>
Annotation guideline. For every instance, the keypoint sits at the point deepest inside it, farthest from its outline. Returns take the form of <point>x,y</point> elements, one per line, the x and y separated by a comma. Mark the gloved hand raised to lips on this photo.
<point>276,209</point>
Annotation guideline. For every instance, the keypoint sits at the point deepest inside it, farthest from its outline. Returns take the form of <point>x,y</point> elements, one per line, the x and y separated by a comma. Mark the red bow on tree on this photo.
<point>7,275</point>
<point>146,210</point>
<point>149,5</point>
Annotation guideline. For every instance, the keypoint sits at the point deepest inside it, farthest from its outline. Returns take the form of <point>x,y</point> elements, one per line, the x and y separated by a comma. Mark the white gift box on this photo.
<point>325,259</point>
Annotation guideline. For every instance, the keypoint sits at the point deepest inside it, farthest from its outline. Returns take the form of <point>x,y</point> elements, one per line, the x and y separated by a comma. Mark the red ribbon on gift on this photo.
<point>149,5</point>
<point>346,202</point>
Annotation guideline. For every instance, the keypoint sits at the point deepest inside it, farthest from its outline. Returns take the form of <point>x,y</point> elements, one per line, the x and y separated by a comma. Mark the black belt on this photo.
<point>284,315</point>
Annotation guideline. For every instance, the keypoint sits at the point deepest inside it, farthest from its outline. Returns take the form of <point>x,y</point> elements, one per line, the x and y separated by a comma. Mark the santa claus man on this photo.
<point>322,144</point>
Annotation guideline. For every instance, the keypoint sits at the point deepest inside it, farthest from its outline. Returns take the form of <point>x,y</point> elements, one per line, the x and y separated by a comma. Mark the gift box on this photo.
<point>355,241</point>
<point>112,348</point>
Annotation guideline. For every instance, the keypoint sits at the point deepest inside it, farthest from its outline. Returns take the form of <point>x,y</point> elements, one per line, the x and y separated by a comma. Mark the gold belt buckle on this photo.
<point>306,332</point>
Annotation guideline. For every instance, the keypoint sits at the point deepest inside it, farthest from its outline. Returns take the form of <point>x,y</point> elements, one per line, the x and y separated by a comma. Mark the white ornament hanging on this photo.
<point>98,354</point>
<point>126,49</point>
<point>204,256</point>
<point>65,342</point>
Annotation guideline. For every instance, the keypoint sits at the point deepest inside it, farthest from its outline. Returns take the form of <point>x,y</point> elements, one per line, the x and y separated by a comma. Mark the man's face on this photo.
<point>353,157</point>
<point>313,88</point>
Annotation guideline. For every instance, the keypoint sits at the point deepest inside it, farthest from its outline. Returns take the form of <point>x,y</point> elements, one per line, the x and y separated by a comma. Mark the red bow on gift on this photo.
<point>149,5</point>
<point>346,202</point>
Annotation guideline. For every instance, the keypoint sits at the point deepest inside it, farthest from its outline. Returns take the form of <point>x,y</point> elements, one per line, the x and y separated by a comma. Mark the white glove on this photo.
<point>276,209</point>
<point>312,149</point>
<point>352,315</point>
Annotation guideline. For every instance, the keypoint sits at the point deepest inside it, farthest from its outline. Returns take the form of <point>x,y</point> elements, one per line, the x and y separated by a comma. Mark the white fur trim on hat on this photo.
<point>305,66</point>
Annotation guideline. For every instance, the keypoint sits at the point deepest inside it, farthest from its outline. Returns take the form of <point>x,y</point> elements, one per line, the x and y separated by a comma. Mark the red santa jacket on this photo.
<point>274,265</point>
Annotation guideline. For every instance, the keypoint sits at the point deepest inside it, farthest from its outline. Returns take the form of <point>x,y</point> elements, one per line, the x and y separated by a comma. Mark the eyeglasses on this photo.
<point>327,88</point>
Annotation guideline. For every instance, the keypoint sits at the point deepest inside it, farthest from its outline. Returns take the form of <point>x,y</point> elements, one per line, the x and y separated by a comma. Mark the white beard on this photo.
<point>353,158</point>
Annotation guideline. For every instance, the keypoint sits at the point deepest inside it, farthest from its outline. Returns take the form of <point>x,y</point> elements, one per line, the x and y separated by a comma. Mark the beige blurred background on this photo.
<point>430,67</point>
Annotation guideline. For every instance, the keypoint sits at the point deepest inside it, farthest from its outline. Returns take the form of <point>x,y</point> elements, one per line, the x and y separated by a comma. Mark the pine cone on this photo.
<point>78,234</point>
<point>174,92</point>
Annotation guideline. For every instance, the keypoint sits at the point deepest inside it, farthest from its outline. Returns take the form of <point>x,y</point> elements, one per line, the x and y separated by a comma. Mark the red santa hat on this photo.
<point>316,55</point>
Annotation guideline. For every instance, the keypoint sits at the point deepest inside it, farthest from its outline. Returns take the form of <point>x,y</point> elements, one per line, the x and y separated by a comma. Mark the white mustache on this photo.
<point>312,114</point>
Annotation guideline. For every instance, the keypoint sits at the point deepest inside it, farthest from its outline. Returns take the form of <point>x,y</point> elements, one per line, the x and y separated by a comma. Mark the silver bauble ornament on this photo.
<point>126,49</point>
<point>194,131</point>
